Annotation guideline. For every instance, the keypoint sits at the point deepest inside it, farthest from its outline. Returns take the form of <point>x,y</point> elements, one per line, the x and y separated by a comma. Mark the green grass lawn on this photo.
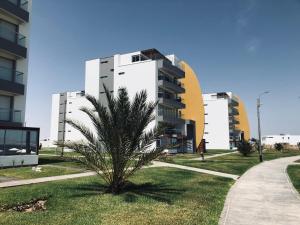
<point>234,163</point>
<point>191,156</point>
<point>57,151</point>
<point>158,196</point>
<point>60,161</point>
<point>51,166</point>
<point>216,151</point>
<point>294,174</point>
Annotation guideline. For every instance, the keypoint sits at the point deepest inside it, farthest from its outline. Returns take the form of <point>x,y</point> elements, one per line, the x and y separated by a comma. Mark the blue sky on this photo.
<point>243,46</point>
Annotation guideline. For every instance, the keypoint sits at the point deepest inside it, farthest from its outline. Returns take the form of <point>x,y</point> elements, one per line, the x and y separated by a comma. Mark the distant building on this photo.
<point>271,140</point>
<point>226,120</point>
<point>166,79</point>
<point>18,144</point>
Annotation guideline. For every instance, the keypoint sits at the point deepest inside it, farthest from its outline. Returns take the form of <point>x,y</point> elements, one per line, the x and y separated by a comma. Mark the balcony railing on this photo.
<point>12,36</point>
<point>11,75</point>
<point>165,78</point>
<point>23,4</point>
<point>10,115</point>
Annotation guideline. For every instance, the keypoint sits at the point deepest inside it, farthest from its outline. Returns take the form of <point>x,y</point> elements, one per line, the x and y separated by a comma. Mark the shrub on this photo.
<point>298,144</point>
<point>244,147</point>
<point>278,146</point>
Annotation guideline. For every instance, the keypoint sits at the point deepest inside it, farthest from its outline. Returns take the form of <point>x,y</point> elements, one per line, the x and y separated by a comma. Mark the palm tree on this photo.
<point>118,144</point>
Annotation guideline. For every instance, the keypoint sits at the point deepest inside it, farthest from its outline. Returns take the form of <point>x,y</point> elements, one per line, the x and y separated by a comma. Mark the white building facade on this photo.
<point>271,140</point>
<point>18,144</point>
<point>142,70</point>
<point>220,130</point>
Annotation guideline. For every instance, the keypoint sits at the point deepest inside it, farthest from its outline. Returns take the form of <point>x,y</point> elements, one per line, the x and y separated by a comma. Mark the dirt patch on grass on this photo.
<point>31,206</point>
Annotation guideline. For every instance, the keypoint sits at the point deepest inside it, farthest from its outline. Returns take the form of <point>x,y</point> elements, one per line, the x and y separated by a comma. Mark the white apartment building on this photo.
<point>221,129</point>
<point>142,70</point>
<point>271,140</point>
<point>18,144</point>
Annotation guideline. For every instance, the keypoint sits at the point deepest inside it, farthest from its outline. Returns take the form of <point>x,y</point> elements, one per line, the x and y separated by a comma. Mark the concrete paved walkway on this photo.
<point>44,179</point>
<point>213,156</point>
<point>264,195</point>
<point>215,173</point>
<point>86,174</point>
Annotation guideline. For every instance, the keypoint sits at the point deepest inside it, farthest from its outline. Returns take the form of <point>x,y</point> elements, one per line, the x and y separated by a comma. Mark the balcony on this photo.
<point>173,86</point>
<point>169,120</point>
<point>168,68</point>
<point>233,111</point>
<point>233,103</point>
<point>233,121</point>
<point>11,82</point>
<point>165,99</point>
<point>11,75</point>
<point>8,116</point>
<point>12,42</point>
<point>16,8</point>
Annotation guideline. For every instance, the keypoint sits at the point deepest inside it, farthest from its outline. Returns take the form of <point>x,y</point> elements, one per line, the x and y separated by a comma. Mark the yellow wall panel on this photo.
<point>193,100</point>
<point>243,119</point>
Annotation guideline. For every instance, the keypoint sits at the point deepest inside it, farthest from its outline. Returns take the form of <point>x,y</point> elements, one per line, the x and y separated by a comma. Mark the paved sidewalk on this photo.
<point>264,195</point>
<point>227,175</point>
<point>45,179</point>
<point>213,156</point>
<point>86,174</point>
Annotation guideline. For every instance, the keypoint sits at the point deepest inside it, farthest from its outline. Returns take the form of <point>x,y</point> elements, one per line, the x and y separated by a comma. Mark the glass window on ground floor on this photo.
<point>18,142</point>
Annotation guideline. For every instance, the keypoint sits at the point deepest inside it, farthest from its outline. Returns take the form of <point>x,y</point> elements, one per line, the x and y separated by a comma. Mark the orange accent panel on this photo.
<point>243,119</point>
<point>193,100</point>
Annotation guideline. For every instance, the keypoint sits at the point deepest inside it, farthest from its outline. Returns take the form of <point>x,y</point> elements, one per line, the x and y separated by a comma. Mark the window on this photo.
<point>5,105</point>
<point>121,73</point>
<point>104,62</point>
<point>9,31</point>
<point>70,102</point>
<point>103,77</point>
<point>205,104</point>
<point>7,69</point>
<point>102,92</point>
<point>206,133</point>
<point>205,123</point>
<point>70,112</point>
<point>112,70</point>
<point>135,58</point>
<point>205,114</point>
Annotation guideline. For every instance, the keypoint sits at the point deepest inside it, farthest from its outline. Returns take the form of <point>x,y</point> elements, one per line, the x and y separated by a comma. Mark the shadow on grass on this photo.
<point>55,159</point>
<point>133,192</point>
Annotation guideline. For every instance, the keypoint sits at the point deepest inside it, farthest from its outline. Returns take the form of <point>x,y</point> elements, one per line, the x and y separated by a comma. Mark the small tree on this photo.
<point>244,147</point>
<point>255,144</point>
<point>298,144</point>
<point>118,144</point>
<point>278,146</point>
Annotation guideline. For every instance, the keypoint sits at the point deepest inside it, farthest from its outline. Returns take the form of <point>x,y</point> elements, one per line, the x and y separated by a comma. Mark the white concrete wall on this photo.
<point>16,160</point>
<point>73,112</point>
<point>286,138</point>
<point>22,65</point>
<point>216,131</point>
<point>54,117</point>
<point>92,77</point>
<point>137,76</point>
